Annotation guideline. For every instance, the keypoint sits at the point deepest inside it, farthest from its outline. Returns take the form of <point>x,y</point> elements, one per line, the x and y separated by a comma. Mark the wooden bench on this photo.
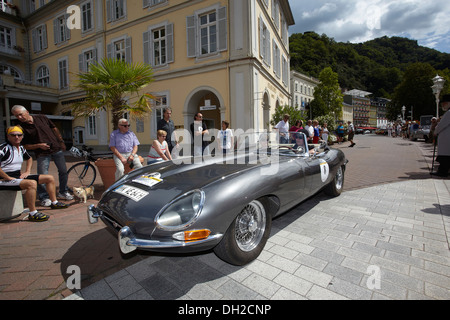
<point>11,204</point>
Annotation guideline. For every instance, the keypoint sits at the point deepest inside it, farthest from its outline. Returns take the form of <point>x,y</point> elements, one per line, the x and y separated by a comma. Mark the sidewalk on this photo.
<point>392,221</point>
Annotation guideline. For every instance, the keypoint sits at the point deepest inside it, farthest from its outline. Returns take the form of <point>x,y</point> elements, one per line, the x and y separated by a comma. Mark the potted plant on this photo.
<point>107,85</point>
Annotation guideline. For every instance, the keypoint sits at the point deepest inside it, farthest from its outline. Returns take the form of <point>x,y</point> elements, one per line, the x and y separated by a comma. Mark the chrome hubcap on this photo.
<point>250,226</point>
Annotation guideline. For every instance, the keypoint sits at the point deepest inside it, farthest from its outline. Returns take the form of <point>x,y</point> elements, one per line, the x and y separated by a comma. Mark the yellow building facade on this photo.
<point>226,59</point>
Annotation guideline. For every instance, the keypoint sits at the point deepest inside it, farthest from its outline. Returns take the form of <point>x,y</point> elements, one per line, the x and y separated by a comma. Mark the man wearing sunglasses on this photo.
<point>12,155</point>
<point>124,145</point>
<point>44,139</point>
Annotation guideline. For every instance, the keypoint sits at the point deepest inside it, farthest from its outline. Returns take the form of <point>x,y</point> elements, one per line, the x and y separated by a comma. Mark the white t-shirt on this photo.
<point>283,127</point>
<point>225,139</point>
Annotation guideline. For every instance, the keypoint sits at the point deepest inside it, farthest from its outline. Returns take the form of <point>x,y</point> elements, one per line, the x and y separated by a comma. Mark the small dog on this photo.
<point>83,193</point>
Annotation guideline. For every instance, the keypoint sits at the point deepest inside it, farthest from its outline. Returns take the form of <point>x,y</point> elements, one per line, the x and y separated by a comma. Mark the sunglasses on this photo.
<point>125,125</point>
<point>16,135</point>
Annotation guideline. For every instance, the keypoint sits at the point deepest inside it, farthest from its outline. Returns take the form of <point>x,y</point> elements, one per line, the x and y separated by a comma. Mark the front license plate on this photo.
<point>131,192</point>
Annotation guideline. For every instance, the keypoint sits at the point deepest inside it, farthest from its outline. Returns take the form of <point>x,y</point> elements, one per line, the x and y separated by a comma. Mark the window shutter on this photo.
<point>108,10</point>
<point>169,43</point>
<point>268,57</point>
<point>44,36</point>
<point>66,30</point>
<point>261,40</point>
<point>81,62</point>
<point>128,50</point>
<point>109,51</point>
<point>146,3</point>
<point>191,22</point>
<point>55,31</point>
<point>222,14</point>
<point>35,40</point>
<point>146,36</point>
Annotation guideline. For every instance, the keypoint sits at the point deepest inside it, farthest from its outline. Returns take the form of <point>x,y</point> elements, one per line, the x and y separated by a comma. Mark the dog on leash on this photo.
<point>83,193</point>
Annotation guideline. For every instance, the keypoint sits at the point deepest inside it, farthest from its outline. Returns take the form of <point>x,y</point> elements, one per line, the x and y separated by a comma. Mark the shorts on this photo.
<point>14,185</point>
<point>351,135</point>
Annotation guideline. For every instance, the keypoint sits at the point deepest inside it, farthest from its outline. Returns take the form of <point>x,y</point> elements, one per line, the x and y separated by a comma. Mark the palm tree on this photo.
<point>108,84</point>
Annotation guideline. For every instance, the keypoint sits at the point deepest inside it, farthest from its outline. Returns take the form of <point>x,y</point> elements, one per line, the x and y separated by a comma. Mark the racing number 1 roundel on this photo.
<point>324,170</point>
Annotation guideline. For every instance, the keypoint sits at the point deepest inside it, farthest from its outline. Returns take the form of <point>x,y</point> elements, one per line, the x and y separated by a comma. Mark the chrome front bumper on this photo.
<point>128,241</point>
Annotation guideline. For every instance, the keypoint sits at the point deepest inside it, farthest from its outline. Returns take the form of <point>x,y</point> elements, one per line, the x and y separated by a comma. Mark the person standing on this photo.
<point>199,132</point>
<point>43,137</point>
<point>124,145</point>
<point>168,126</point>
<point>442,132</point>
<point>283,129</point>
<point>340,133</point>
<point>12,155</point>
<point>351,134</point>
<point>225,138</point>
<point>316,129</point>
<point>325,133</point>
<point>310,130</point>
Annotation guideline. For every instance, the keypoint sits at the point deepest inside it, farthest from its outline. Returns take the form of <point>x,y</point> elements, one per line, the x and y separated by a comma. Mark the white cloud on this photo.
<point>359,21</point>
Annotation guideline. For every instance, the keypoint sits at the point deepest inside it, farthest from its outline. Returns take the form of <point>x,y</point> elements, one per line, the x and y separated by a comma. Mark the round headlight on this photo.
<point>181,212</point>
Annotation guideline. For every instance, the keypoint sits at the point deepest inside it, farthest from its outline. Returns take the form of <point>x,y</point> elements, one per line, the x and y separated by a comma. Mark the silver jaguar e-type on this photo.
<point>224,204</point>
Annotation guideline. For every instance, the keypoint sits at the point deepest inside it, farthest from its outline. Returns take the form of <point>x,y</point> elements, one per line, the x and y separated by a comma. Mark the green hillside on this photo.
<point>377,66</point>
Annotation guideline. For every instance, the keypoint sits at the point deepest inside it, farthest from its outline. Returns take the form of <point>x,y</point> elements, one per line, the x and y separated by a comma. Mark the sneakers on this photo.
<point>38,217</point>
<point>59,205</point>
<point>46,203</point>
<point>65,195</point>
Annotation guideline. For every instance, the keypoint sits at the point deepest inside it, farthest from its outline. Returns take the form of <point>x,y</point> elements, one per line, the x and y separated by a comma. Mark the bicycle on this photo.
<point>83,172</point>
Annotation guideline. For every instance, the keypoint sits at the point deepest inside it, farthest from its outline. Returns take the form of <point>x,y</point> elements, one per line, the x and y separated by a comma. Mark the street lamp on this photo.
<point>437,88</point>
<point>403,113</point>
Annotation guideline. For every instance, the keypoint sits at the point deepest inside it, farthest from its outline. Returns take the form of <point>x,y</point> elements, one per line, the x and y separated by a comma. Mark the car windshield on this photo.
<point>295,145</point>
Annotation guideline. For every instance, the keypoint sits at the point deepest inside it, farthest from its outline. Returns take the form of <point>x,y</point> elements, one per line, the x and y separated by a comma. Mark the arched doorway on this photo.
<point>207,101</point>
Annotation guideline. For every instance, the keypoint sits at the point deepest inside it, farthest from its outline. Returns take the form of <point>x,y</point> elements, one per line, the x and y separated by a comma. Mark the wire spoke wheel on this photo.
<point>250,226</point>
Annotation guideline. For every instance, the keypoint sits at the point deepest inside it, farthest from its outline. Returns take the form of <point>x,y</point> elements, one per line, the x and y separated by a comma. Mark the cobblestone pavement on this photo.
<point>385,237</point>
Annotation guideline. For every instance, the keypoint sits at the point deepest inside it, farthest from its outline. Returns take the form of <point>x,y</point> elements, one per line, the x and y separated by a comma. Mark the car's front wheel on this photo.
<point>246,236</point>
<point>335,187</point>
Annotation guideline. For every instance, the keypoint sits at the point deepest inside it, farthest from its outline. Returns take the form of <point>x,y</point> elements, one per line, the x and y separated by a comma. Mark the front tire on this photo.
<point>246,236</point>
<point>334,188</point>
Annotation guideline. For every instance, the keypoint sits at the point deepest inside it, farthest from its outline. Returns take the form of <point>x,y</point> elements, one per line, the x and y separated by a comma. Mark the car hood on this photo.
<point>176,180</point>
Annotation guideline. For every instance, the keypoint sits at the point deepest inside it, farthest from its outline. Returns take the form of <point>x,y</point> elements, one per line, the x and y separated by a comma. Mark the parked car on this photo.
<point>214,204</point>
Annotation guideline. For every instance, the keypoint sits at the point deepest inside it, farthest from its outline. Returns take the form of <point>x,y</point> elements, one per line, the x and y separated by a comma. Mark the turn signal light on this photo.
<point>192,235</point>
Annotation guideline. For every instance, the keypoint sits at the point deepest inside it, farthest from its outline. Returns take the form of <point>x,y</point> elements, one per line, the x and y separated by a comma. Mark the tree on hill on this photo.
<point>328,98</point>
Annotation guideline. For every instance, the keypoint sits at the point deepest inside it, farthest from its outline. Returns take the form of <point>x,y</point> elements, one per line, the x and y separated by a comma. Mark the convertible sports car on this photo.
<point>224,205</point>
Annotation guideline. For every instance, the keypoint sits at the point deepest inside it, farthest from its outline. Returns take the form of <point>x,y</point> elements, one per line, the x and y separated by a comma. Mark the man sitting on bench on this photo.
<point>12,155</point>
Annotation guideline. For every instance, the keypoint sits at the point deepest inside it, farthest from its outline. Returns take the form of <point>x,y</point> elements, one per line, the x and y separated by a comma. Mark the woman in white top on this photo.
<point>325,133</point>
<point>159,150</point>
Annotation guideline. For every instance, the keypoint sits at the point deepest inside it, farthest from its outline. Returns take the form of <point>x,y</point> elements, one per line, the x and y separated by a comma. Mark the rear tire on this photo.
<point>334,188</point>
<point>246,236</point>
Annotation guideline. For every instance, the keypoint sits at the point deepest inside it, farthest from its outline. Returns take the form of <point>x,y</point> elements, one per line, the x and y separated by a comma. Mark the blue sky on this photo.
<point>357,21</point>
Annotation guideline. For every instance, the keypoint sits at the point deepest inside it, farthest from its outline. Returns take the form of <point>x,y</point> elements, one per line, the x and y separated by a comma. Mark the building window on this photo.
<point>39,38</point>
<point>6,42</point>
<point>151,3</point>
<point>120,49</point>
<point>63,72</point>
<point>115,10</point>
<point>61,31</point>
<point>92,125</point>
<point>9,70</point>
<point>207,32</point>
<point>87,14</point>
<point>160,102</point>
<point>158,45</point>
<point>86,58</point>
<point>43,76</point>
